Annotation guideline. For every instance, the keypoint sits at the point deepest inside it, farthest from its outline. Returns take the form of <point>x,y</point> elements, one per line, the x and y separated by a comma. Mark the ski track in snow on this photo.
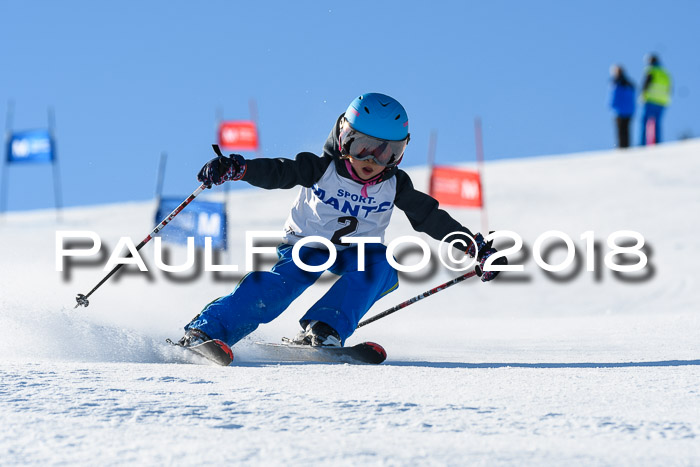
<point>268,413</point>
<point>585,372</point>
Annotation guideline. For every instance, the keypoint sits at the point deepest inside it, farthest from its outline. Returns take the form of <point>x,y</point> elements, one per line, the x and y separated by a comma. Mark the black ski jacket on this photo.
<point>306,169</point>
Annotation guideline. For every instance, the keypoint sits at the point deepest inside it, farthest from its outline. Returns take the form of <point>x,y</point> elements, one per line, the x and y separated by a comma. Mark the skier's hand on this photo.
<point>483,256</point>
<point>484,249</point>
<point>480,244</point>
<point>222,169</point>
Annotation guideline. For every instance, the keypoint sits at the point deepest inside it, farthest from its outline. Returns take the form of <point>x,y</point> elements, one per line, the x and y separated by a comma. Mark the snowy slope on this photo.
<point>584,367</point>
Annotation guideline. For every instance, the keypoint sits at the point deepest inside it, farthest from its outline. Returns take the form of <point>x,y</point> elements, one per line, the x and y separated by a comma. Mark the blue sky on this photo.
<point>129,80</point>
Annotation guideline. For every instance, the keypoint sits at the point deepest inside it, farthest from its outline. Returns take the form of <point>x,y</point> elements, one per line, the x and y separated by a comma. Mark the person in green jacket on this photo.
<point>656,96</point>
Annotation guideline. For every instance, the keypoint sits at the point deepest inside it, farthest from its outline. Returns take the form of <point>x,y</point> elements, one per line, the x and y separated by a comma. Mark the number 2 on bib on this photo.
<point>349,227</point>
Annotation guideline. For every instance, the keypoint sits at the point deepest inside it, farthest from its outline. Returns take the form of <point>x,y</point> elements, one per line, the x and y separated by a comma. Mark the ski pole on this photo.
<point>83,299</point>
<point>428,293</point>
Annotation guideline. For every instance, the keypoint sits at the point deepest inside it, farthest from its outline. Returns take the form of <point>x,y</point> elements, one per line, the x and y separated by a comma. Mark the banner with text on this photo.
<point>30,146</point>
<point>200,219</point>
<point>456,187</point>
<point>238,135</point>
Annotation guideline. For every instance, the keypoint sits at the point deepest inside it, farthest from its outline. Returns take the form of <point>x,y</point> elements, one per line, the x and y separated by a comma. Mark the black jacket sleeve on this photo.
<point>305,170</point>
<point>424,214</point>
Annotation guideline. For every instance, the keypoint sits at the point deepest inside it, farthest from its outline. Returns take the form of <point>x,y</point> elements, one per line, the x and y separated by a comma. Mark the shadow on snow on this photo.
<point>544,365</point>
<point>426,364</point>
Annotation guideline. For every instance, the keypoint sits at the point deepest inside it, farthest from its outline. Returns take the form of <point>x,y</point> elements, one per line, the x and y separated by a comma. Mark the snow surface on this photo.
<point>591,369</point>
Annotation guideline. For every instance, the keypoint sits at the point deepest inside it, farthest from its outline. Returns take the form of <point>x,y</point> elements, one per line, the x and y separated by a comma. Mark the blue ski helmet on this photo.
<point>378,115</point>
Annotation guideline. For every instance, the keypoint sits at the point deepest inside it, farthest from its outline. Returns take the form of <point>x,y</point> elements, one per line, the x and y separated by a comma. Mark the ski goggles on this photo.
<point>363,147</point>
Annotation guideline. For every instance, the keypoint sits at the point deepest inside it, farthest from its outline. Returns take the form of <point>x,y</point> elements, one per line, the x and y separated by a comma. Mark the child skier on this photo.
<point>349,191</point>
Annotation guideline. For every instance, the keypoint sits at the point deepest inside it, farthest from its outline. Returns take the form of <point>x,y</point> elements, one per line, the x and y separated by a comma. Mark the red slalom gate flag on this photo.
<point>238,135</point>
<point>456,187</point>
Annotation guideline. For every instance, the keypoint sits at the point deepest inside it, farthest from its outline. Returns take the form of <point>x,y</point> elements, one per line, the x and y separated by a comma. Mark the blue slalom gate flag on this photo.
<point>30,146</point>
<point>201,219</point>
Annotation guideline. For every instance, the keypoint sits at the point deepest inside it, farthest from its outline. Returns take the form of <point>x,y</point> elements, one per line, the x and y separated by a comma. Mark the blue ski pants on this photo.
<point>652,112</point>
<point>262,296</point>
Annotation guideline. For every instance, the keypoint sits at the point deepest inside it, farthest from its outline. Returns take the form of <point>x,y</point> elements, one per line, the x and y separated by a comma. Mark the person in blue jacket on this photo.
<point>349,191</point>
<point>622,98</point>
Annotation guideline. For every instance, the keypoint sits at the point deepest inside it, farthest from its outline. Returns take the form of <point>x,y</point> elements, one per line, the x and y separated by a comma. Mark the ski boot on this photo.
<point>317,334</point>
<point>193,337</point>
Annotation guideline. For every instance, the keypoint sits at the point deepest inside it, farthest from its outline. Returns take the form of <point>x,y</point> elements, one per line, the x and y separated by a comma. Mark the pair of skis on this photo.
<point>218,352</point>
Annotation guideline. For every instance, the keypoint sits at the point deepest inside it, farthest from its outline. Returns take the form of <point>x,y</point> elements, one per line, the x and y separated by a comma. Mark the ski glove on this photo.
<point>222,169</point>
<point>485,249</point>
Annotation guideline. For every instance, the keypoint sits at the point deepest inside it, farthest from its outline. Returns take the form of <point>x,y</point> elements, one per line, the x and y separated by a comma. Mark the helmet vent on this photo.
<point>366,109</point>
<point>397,117</point>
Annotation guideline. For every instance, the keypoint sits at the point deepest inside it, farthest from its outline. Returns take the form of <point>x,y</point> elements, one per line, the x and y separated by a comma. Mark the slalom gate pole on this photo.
<point>428,293</point>
<point>83,299</point>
